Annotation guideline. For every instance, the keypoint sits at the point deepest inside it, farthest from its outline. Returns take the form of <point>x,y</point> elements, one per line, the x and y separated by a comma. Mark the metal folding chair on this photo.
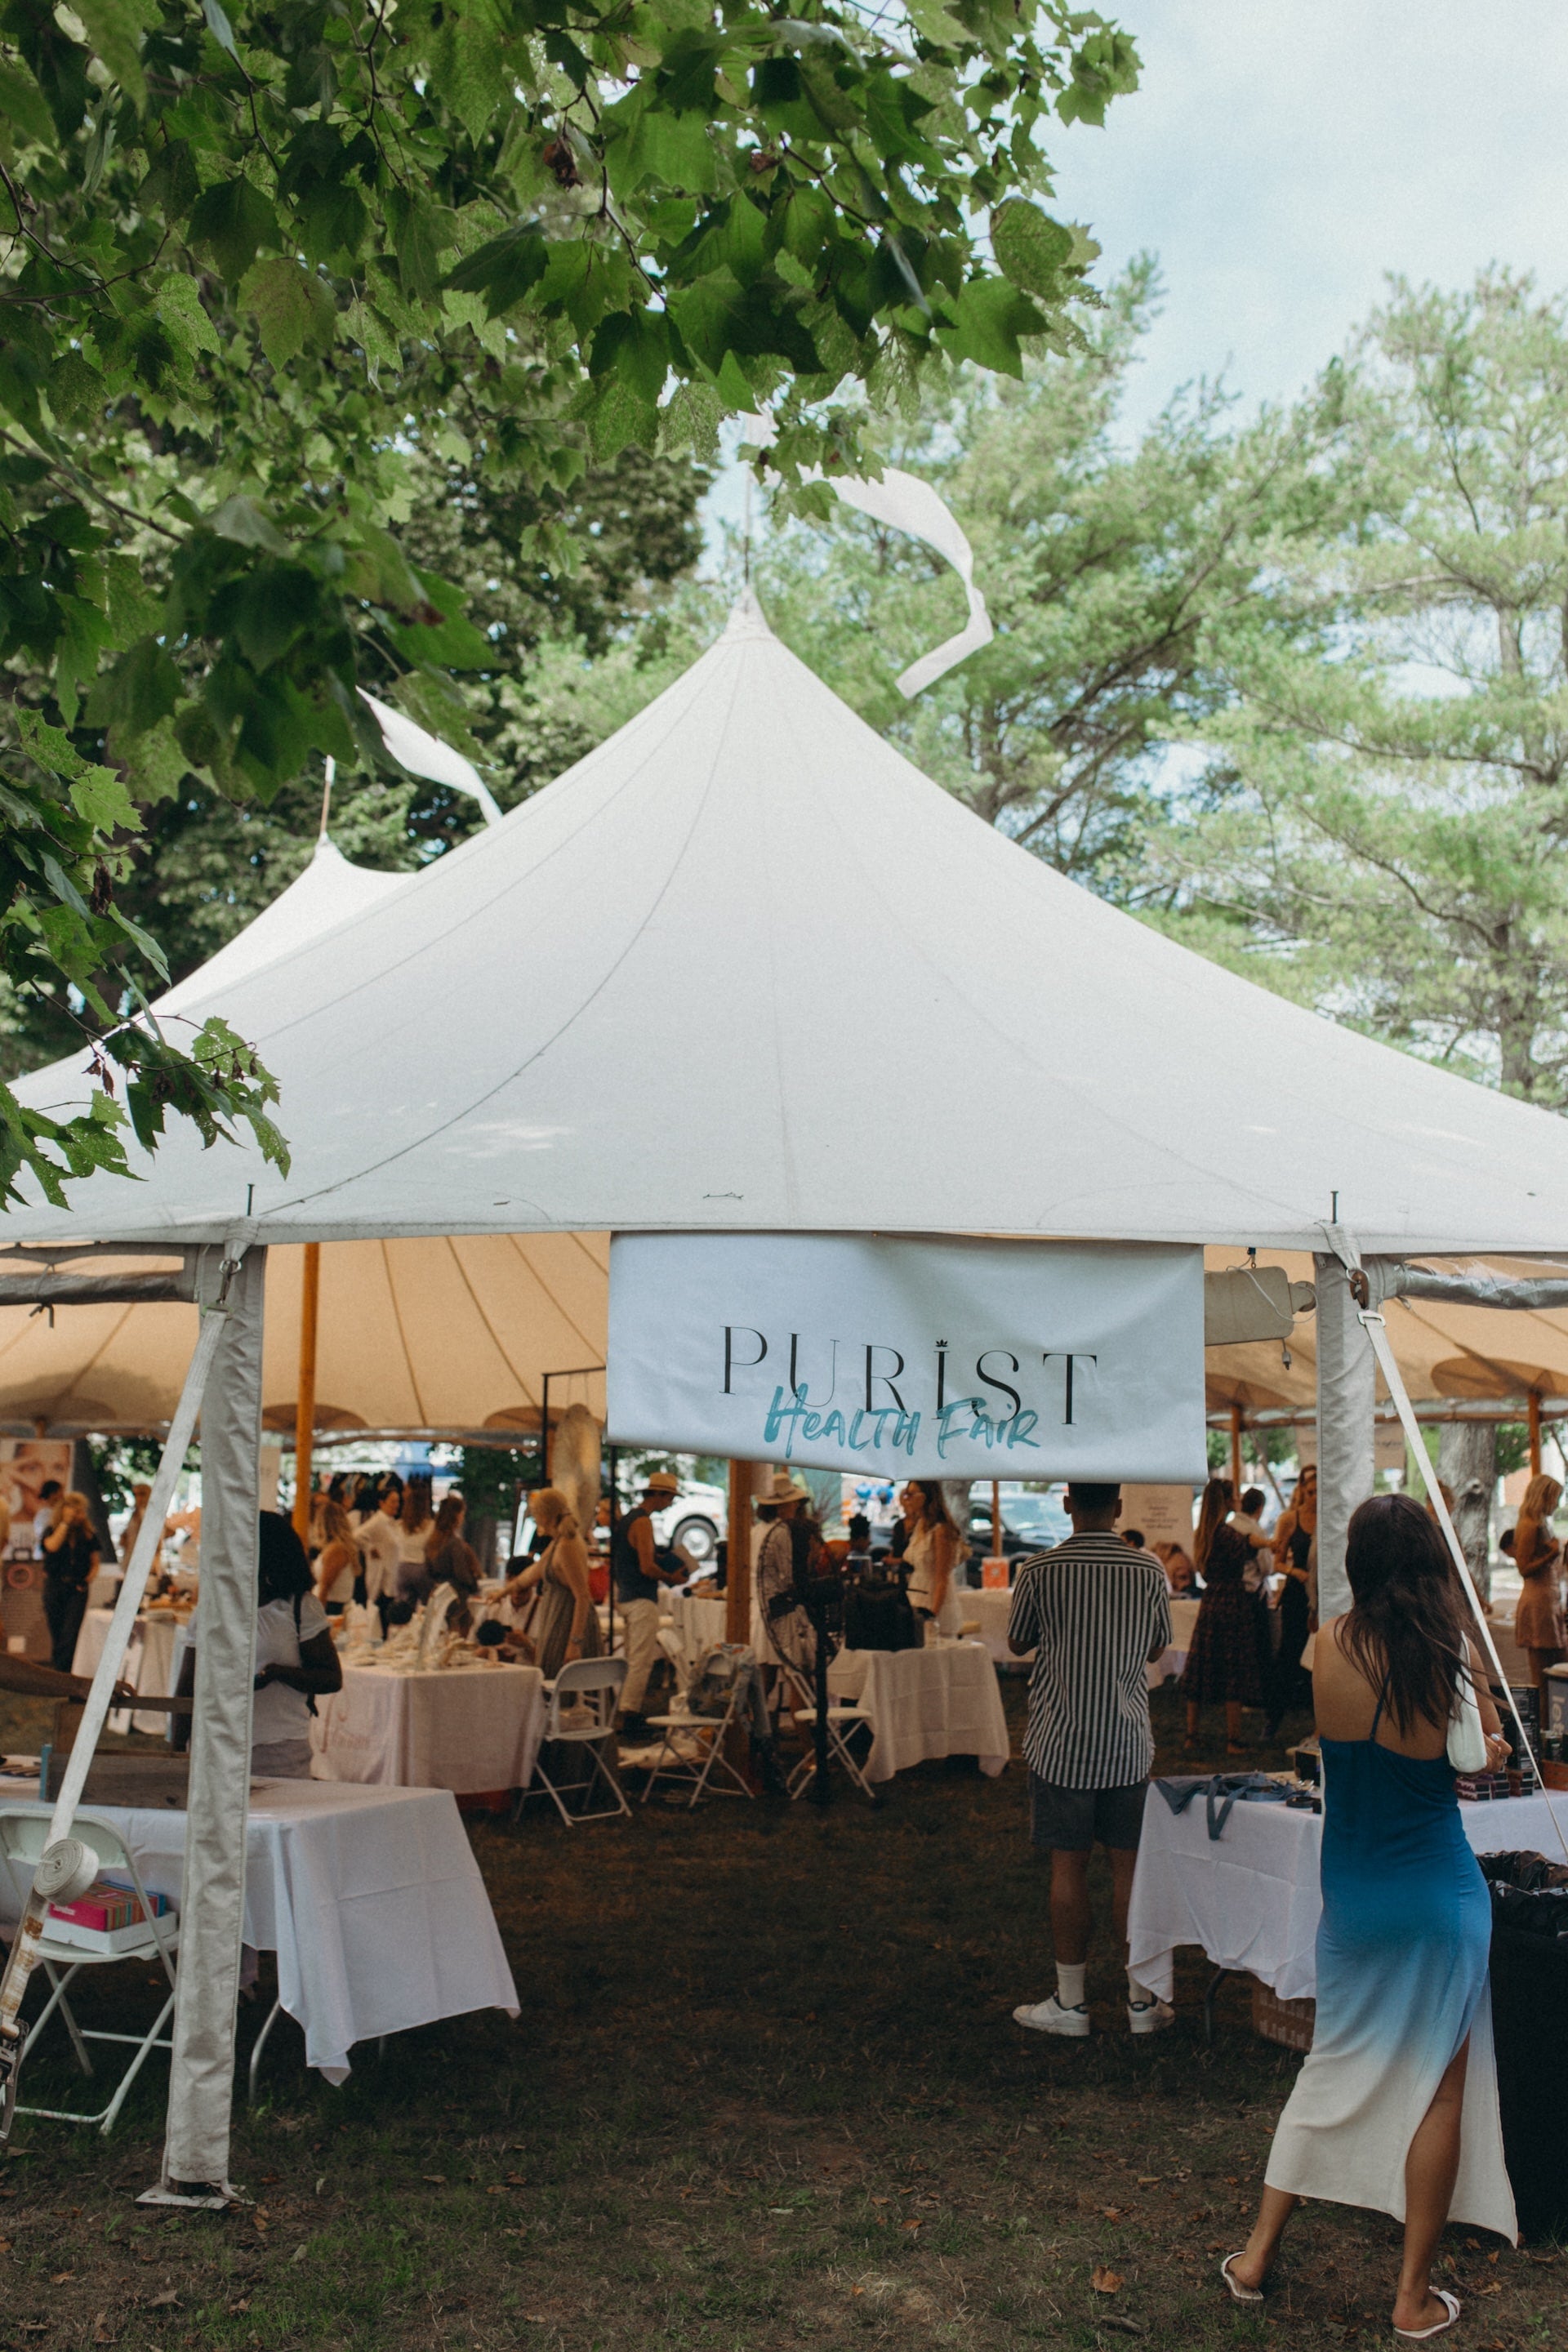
<point>694,1765</point>
<point>23,1834</point>
<point>591,1689</point>
<point>842,1718</point>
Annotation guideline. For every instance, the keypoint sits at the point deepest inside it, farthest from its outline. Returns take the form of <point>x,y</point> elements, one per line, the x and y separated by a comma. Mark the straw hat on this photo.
<point>782,1488</point>
<point>661,1482</point>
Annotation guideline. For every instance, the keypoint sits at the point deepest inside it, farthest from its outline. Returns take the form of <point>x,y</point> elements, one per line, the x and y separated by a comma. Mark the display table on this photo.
<point>938,1701</point>
<point>371,1898</point>
<point>149,1662</point>
<point>1250,1897</point>
<point>987,1608</point>
<point>468,1728</point>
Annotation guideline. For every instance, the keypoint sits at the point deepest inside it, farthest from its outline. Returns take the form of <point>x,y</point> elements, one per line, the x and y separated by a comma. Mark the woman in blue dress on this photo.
<point>1395,2107</point>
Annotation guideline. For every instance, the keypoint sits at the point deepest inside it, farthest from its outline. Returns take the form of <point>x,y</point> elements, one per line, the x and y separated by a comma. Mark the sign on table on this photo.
<point>928,1359</point>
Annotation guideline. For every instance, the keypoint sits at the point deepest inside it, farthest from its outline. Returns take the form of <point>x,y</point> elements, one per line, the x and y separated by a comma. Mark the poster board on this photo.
<point>1161,1514</point>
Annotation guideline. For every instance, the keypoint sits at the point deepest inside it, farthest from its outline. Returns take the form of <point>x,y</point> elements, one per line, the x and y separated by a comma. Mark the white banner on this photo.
<point>911,1359</point>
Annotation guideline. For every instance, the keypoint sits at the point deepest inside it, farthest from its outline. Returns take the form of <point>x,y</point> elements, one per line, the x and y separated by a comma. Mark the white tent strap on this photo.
<point>24,1951</point>
<point>1377,1332</point>
<point>424,754</point>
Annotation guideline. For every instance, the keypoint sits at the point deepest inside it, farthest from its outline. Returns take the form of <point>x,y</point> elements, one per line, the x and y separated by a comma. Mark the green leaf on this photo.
<point>504,269</point>
<point>115,29</point>
<point>22,104</point>
<point>271,610</point>
<point>99,795</point>
<point>229,222</point>
<point>155,761</point>
<point>452,642</point>
<point>143,688</point>
<point>75,389</point>
<point>990,317</point>
<point>242,521</point>
<point>178,303</point>
<point>291,308</point>
<point>423,232</point>
<point>1030,247</point>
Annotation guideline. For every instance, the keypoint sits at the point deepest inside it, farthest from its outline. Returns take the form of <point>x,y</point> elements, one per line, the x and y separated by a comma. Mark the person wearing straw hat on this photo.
<point>638,1577</point>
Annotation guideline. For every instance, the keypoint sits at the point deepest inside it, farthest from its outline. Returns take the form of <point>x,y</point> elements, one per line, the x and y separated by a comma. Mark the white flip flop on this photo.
<point>1423,2335</point>
<point>1239,2294</point>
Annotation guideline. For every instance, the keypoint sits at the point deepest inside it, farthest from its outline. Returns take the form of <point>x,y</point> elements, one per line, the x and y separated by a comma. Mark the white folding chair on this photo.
<point>590,1688</point>
<point>842,1718</point>
<point>23,1834</point>
<point>694,1765</point>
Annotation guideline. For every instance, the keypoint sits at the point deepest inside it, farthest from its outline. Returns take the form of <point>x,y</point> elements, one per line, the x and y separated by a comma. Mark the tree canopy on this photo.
<point>261,270</point>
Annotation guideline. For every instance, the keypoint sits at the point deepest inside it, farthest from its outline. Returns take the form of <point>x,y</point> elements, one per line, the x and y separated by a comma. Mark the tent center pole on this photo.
<point>1534,1406</point>
<point>995,1518</point>
<point>738,1578</point>
<point>305,1408</point>
<point>1236,1453</point>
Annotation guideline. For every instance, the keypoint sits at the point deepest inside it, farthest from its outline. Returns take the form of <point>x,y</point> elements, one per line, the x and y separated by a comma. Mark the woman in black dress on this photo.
<point>1223,1663</point>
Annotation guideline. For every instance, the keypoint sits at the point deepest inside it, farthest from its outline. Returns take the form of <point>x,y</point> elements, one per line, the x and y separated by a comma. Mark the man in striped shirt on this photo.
<point>1094,1613</point>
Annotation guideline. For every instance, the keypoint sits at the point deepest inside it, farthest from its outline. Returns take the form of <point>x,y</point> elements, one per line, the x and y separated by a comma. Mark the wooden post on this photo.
<point>738,1578</point>
<point>995,1519</point>
<point>305,1409</point>
<point>1236,1453</point>
<point>1534,1408</point>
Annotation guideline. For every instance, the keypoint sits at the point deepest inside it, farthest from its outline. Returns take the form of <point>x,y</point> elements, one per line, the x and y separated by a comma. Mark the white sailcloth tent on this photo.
<point>326,893</point>
<point>743,967</point>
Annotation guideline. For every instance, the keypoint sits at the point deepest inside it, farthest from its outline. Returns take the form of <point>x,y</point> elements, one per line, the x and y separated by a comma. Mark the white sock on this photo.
<point>1138,1994</point>
<point>1070,1983</point>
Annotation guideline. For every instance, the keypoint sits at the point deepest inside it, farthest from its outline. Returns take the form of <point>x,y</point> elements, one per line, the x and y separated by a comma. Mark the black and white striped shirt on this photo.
<point>1092,1610</point>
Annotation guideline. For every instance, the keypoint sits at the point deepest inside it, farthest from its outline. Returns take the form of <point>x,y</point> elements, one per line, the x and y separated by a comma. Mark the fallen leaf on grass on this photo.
<point>1149,2179</point>
<point>1492,2286</point>
<point>1112,2212</point>
<point>161,2302</point>
<point>915,2223</point>
<point>882,2201</point>
<point>58,2278</point>
<point>300,2252</point>
<point>436,2180</point>
<point>1125,2327</point>
<point>101,2334</point>
<point>235,2308</point>
<point>1104,2281</point>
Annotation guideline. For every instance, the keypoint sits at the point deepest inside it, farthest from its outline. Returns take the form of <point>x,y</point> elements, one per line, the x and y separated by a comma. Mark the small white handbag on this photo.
<point>1466,1739</point>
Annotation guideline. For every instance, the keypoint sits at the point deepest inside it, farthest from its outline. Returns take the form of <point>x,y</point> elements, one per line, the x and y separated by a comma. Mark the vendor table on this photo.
<point>938,1701</point>
<point>989,1610</point>
<point>468,1728</point>
<point>371,1898</point>
<point>1173,1661</point>
<point>1250,1897</point>
<point>149,1662</point>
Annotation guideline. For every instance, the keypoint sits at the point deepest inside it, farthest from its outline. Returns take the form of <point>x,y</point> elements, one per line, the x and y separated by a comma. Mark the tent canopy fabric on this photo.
<point>327,893</point>
<point>745,967</point>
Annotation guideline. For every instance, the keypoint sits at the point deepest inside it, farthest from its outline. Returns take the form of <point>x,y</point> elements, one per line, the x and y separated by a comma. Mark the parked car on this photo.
<point>1032,1520</point>
<point>695,1521</point>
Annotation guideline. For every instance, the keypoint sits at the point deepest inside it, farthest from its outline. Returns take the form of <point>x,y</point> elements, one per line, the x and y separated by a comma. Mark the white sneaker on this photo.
<point>1051,2017</point>
<point>1149,2016</point>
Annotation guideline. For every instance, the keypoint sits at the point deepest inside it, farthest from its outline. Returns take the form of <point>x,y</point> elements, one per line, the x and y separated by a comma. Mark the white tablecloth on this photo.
<point>698,1619</point>
<point>940,1701</point>
<point>1250,1898</point>
<point>371,1898</point>
<point>988,1609</point>
<point>463,1727</point>
<point>149,1663</point>
<point>1173,1661</point>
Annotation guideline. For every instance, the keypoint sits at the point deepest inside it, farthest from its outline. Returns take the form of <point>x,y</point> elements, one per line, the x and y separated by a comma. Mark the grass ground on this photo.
<point>764,2093</point>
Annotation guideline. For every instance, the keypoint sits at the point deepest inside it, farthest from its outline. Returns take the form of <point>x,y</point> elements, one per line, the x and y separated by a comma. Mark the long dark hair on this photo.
<point>1405,1627</point>
<point>282,1571</point>
<point>934,1505</point>
<point>1219,1502</point>
<point>446,1522</point>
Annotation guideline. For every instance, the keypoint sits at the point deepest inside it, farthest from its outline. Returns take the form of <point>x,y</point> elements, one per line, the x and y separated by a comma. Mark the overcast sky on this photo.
<point>1283,155</point>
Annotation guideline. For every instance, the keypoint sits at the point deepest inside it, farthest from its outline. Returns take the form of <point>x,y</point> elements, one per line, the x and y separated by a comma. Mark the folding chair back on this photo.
<point>23,1835</point>
<point>582,1712</point>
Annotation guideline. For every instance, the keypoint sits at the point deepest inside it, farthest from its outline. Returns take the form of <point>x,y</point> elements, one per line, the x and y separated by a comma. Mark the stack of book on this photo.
<point>110,1912</point>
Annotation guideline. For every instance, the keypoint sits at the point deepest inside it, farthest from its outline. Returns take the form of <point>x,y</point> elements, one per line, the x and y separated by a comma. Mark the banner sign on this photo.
<point>936,1359</point>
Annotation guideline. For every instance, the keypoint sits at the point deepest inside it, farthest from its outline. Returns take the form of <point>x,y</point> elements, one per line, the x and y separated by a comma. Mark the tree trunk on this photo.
<point>1467,1463</point>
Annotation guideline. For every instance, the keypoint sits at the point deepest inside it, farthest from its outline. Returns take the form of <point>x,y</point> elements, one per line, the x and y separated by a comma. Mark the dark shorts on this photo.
<point>1070,1820</point>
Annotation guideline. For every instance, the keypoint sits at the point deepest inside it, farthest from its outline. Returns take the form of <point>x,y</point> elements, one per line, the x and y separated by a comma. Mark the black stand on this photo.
<point>820,1790</point>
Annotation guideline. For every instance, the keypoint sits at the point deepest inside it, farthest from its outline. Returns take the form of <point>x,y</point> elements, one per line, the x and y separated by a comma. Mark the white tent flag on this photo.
<point>903,502</point>
<point>425,755</point>
<point>915,1359</point>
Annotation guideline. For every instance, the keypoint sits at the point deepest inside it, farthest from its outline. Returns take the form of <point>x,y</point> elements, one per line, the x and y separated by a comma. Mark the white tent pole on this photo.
<point>24,1951</point>
<point>212,1897</point>
<point>1347,1396</point>
<point>1377,1332</point>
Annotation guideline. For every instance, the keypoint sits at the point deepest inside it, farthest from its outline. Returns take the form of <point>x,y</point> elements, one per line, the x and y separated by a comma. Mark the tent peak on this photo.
<point>747,619</point>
